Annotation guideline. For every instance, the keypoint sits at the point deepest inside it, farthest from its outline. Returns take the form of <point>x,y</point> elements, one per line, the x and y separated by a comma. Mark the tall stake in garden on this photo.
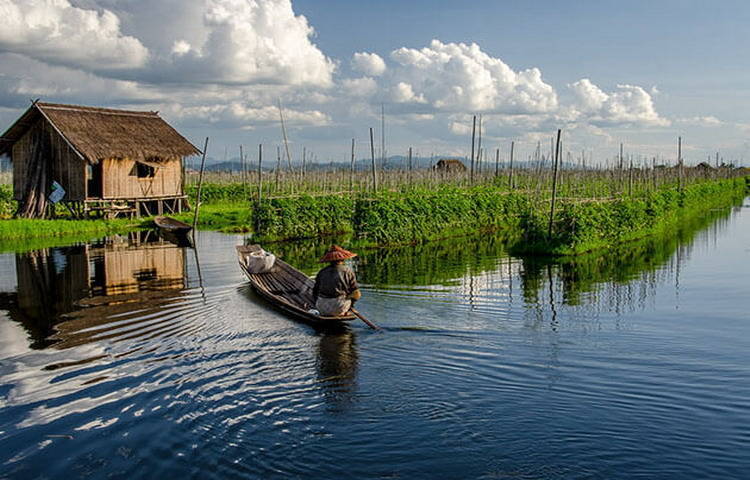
<point>497,162</point>
<point>410,179</point>
<point>244,172</point>
<point>382,136</point>
<point>510,173</point>
<point>374,171</point>
<point>200,185</point>
<point>351,171</point>
<point>479,148</point>
<point>630,178</point>
<point>286,142</point>
<point>473,136</point>
<point>679,163</point>
<point>304,162</point>
<point>278,167</point>
<point>260,171</point>
<point>554,185</point>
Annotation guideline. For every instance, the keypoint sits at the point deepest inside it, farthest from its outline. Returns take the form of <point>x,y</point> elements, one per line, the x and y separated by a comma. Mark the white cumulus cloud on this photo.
<point>370,64</point>
<point>57,32</point>
<point>700,121</point>
<point>360,87</point>
<point>242,115</point>
<point>629,104</point>
<point>456,77</point>
<point>403,92</point>
<point>248,42</point>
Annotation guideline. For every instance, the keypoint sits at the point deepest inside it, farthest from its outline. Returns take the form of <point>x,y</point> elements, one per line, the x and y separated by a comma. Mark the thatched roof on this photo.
<point>99,133</point>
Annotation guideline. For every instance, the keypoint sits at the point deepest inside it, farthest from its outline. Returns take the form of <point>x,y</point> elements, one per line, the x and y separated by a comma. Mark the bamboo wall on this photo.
<point>119,178</point>
<point>121,181</point>
<point>66,168</point>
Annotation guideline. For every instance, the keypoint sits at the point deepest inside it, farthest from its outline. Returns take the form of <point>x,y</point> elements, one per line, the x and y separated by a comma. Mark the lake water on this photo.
<point>130,357</point>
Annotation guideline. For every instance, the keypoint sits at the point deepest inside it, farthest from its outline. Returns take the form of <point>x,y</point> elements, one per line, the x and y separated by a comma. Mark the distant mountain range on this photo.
<point>395,162</point>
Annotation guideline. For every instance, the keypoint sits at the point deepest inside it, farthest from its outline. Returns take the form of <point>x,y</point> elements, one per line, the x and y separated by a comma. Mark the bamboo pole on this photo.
<point>286,142</point>
<point>260,172</point>
<point>473,136</point>
<point>410,168</point>
<point>304,162</point>
<point>630,178</point>
<point>479,148</point>
<point>497,162</point>
<point>679,163</point>
<point>554,186</point>
<point>200,185</point>
<point>510,173</point>
<point>374,171</point>
<point>244,172</point>
<point>382,137</point>
<point>351,170</point>
<point>278,167</point>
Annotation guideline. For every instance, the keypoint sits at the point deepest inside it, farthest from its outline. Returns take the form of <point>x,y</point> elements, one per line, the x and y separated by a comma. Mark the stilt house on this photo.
<point>104,160</point>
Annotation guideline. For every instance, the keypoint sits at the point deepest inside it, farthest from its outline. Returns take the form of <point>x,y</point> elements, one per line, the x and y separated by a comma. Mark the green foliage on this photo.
<point>226,216</point>
<point>304,217</point>
<point>583,226</point>
<point>220,192</point>
<point>421,215</point>
<point>7,204</point>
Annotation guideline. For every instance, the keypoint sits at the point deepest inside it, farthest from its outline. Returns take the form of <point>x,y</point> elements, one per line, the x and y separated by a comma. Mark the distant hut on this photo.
<point>449,166</point>
<point>104,160</point>
<point>705,166</point>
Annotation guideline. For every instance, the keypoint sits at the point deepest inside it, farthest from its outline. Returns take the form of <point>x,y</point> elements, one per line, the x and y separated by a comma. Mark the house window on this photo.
<point>144,171</point>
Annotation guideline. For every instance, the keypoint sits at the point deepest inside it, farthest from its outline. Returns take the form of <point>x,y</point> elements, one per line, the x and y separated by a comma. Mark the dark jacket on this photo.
<point>335,281</point>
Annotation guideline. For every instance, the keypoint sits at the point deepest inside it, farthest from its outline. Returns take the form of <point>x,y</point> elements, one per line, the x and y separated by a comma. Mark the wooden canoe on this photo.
<point>287,289</point>
<point>169,224</point>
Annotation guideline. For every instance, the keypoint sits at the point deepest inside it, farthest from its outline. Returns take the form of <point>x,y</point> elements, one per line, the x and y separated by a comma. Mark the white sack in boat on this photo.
<point>260,262</point>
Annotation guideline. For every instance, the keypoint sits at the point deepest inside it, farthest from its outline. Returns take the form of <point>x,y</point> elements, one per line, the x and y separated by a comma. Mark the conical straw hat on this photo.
<point>336,253</point>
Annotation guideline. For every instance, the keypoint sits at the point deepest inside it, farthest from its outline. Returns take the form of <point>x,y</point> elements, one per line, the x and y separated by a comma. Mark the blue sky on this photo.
<point>607,72</point>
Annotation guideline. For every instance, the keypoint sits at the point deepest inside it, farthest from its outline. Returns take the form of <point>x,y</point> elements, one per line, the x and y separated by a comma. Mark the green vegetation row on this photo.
<point>390,217</point>
<point>580,227</point>
<point>418,216</point>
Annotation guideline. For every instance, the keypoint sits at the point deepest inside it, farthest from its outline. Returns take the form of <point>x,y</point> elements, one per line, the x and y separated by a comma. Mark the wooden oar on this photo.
<point>361,317</point>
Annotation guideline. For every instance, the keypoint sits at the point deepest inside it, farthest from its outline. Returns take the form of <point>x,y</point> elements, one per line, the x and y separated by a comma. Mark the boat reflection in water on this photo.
<point>68,295</point>
<point>337,367</point>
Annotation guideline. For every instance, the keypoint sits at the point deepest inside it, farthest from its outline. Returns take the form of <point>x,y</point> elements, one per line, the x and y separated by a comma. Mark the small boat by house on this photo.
<point>286,289</point>
<point>171,225</point>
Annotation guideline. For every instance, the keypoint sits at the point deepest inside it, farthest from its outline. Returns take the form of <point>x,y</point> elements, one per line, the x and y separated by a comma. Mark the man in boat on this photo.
<point>336,286</point>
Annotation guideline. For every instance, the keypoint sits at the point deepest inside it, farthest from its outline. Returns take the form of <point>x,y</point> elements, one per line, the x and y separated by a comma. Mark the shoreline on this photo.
<point>392,219</point>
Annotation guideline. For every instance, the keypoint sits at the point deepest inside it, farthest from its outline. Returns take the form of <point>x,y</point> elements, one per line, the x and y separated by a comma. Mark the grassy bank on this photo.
<point>21,234</point>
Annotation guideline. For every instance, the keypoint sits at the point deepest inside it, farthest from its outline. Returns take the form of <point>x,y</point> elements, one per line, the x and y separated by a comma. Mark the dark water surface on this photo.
<point>131,357</point>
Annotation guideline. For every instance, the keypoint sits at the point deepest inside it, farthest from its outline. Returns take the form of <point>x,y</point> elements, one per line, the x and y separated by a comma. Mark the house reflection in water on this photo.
<point>64,290</point>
